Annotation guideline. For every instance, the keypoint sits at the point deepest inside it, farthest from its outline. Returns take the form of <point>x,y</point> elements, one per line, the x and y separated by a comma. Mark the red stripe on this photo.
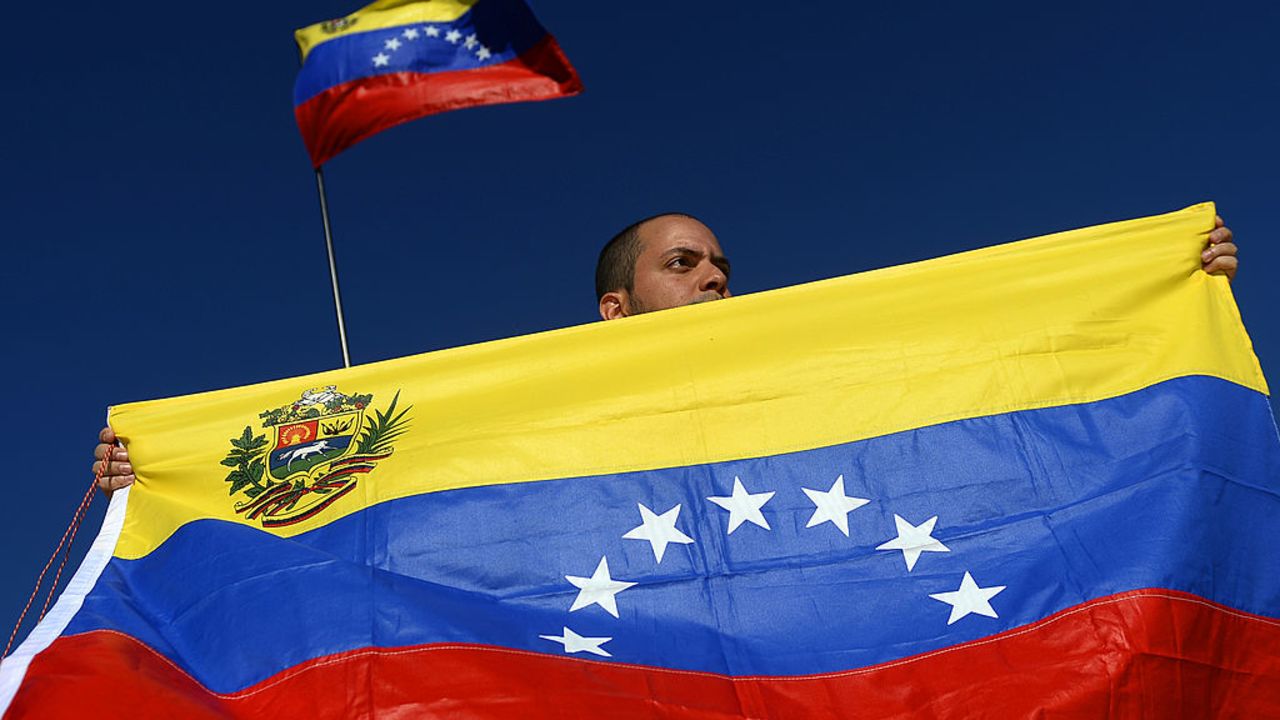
<point>345,114</point>
<point>1149,654</point>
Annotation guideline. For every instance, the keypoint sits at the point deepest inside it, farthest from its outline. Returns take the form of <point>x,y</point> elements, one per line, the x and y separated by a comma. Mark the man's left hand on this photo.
<point>1220,257</point>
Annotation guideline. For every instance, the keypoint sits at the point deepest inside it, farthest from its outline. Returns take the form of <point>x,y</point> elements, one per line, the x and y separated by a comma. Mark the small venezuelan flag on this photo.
<point>395,61</point>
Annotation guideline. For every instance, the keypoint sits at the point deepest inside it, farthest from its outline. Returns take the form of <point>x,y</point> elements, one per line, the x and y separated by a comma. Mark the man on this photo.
<point>661,262</point>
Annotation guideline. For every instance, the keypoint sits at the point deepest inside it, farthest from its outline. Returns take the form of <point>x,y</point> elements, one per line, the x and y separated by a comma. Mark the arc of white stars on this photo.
<point>833,506</point>
<point>599,589</point>
<point>410,33</point>
<point>913,540</point>
<point>453,36</point>
<point>575,643</point>
<point>392,44</point>
<point>432,31</point>
<point>470,41</point>
<point>743,506</point>
<point>483,53</point>
<point>969,599</point>
<point>381,60</point>
<point>659,530</point>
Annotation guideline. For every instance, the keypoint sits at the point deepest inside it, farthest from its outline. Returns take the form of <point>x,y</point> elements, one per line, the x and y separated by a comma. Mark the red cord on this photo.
<point>69,533</point>
<point>66,551</point>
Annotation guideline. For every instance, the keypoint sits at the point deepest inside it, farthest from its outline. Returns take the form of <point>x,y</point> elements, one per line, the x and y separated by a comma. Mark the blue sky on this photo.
<point>162,234</point>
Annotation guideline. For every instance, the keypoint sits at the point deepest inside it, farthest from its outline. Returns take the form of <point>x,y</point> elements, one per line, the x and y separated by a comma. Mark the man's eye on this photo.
<point>678,262</point>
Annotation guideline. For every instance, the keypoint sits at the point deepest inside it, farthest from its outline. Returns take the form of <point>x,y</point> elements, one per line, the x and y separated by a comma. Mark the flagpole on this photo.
<point>333,268</point>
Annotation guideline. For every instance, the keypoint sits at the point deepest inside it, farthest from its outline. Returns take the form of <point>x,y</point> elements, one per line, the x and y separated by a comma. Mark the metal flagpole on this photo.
<point>333,268</point>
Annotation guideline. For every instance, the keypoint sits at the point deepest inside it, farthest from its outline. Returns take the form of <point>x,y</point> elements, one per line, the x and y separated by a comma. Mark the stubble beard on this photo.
<point>638,306</point>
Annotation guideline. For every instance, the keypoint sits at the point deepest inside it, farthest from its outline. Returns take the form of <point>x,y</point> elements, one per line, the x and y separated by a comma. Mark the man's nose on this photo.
<point>714,280</point>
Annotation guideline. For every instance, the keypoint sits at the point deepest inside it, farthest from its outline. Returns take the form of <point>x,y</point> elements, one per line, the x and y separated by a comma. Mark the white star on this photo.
<point>381,60</point>
<point>743,506</point>
<point>410,33</point>
<point>573,643</point>
<point>470,42</point>
<point>913,540</point>
<point>833,505</point>
<point>452,36</point>
<point>969,599</point>
<point>659,530</point>
<point>483,53</point>
<point>599,589</point>
<point>392,44</point>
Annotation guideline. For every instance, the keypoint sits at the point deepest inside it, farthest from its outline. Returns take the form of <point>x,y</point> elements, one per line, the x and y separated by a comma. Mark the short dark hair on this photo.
<point>616,267</point>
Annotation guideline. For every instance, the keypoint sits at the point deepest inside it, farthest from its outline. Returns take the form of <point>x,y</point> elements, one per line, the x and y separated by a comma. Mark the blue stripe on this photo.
<point>1175,486</point>
<point>506,27</point>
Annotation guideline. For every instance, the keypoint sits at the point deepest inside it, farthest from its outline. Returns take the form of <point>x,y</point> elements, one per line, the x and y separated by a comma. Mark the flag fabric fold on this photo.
<point>1040,477</point>
<point>395,61</point>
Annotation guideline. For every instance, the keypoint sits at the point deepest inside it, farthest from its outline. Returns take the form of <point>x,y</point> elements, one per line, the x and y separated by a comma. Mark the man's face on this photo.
<point>680,263</point>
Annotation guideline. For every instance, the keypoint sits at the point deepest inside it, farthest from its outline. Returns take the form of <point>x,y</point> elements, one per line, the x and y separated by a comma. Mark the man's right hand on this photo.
<point>112,462</point>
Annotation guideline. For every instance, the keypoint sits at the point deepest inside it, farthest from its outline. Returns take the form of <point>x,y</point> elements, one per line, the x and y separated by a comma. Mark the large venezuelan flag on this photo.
<point>398,60</point>
<point>1035,480</point>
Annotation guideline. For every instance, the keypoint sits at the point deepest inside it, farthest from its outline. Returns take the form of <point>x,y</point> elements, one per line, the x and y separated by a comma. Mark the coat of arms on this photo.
<point>311,453</point>
<point>332,26</point>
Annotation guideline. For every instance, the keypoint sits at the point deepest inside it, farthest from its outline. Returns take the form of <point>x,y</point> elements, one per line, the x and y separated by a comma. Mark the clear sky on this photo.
<point>162,234</point>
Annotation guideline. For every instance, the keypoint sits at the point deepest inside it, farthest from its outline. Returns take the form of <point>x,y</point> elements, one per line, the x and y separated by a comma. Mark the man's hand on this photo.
<point>112,462</point>
<point>1220,257</point>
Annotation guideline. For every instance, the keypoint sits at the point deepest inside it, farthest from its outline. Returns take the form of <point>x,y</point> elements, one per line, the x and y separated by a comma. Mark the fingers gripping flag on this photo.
<point>1038,479</point>
<point>396,61</point>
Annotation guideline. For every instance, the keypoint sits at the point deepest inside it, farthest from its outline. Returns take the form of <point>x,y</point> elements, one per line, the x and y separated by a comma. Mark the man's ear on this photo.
<point>614,305</point>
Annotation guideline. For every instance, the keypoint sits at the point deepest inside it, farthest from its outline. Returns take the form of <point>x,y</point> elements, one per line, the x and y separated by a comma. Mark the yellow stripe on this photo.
<point>380,15</point>
<point>1068,318</point>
